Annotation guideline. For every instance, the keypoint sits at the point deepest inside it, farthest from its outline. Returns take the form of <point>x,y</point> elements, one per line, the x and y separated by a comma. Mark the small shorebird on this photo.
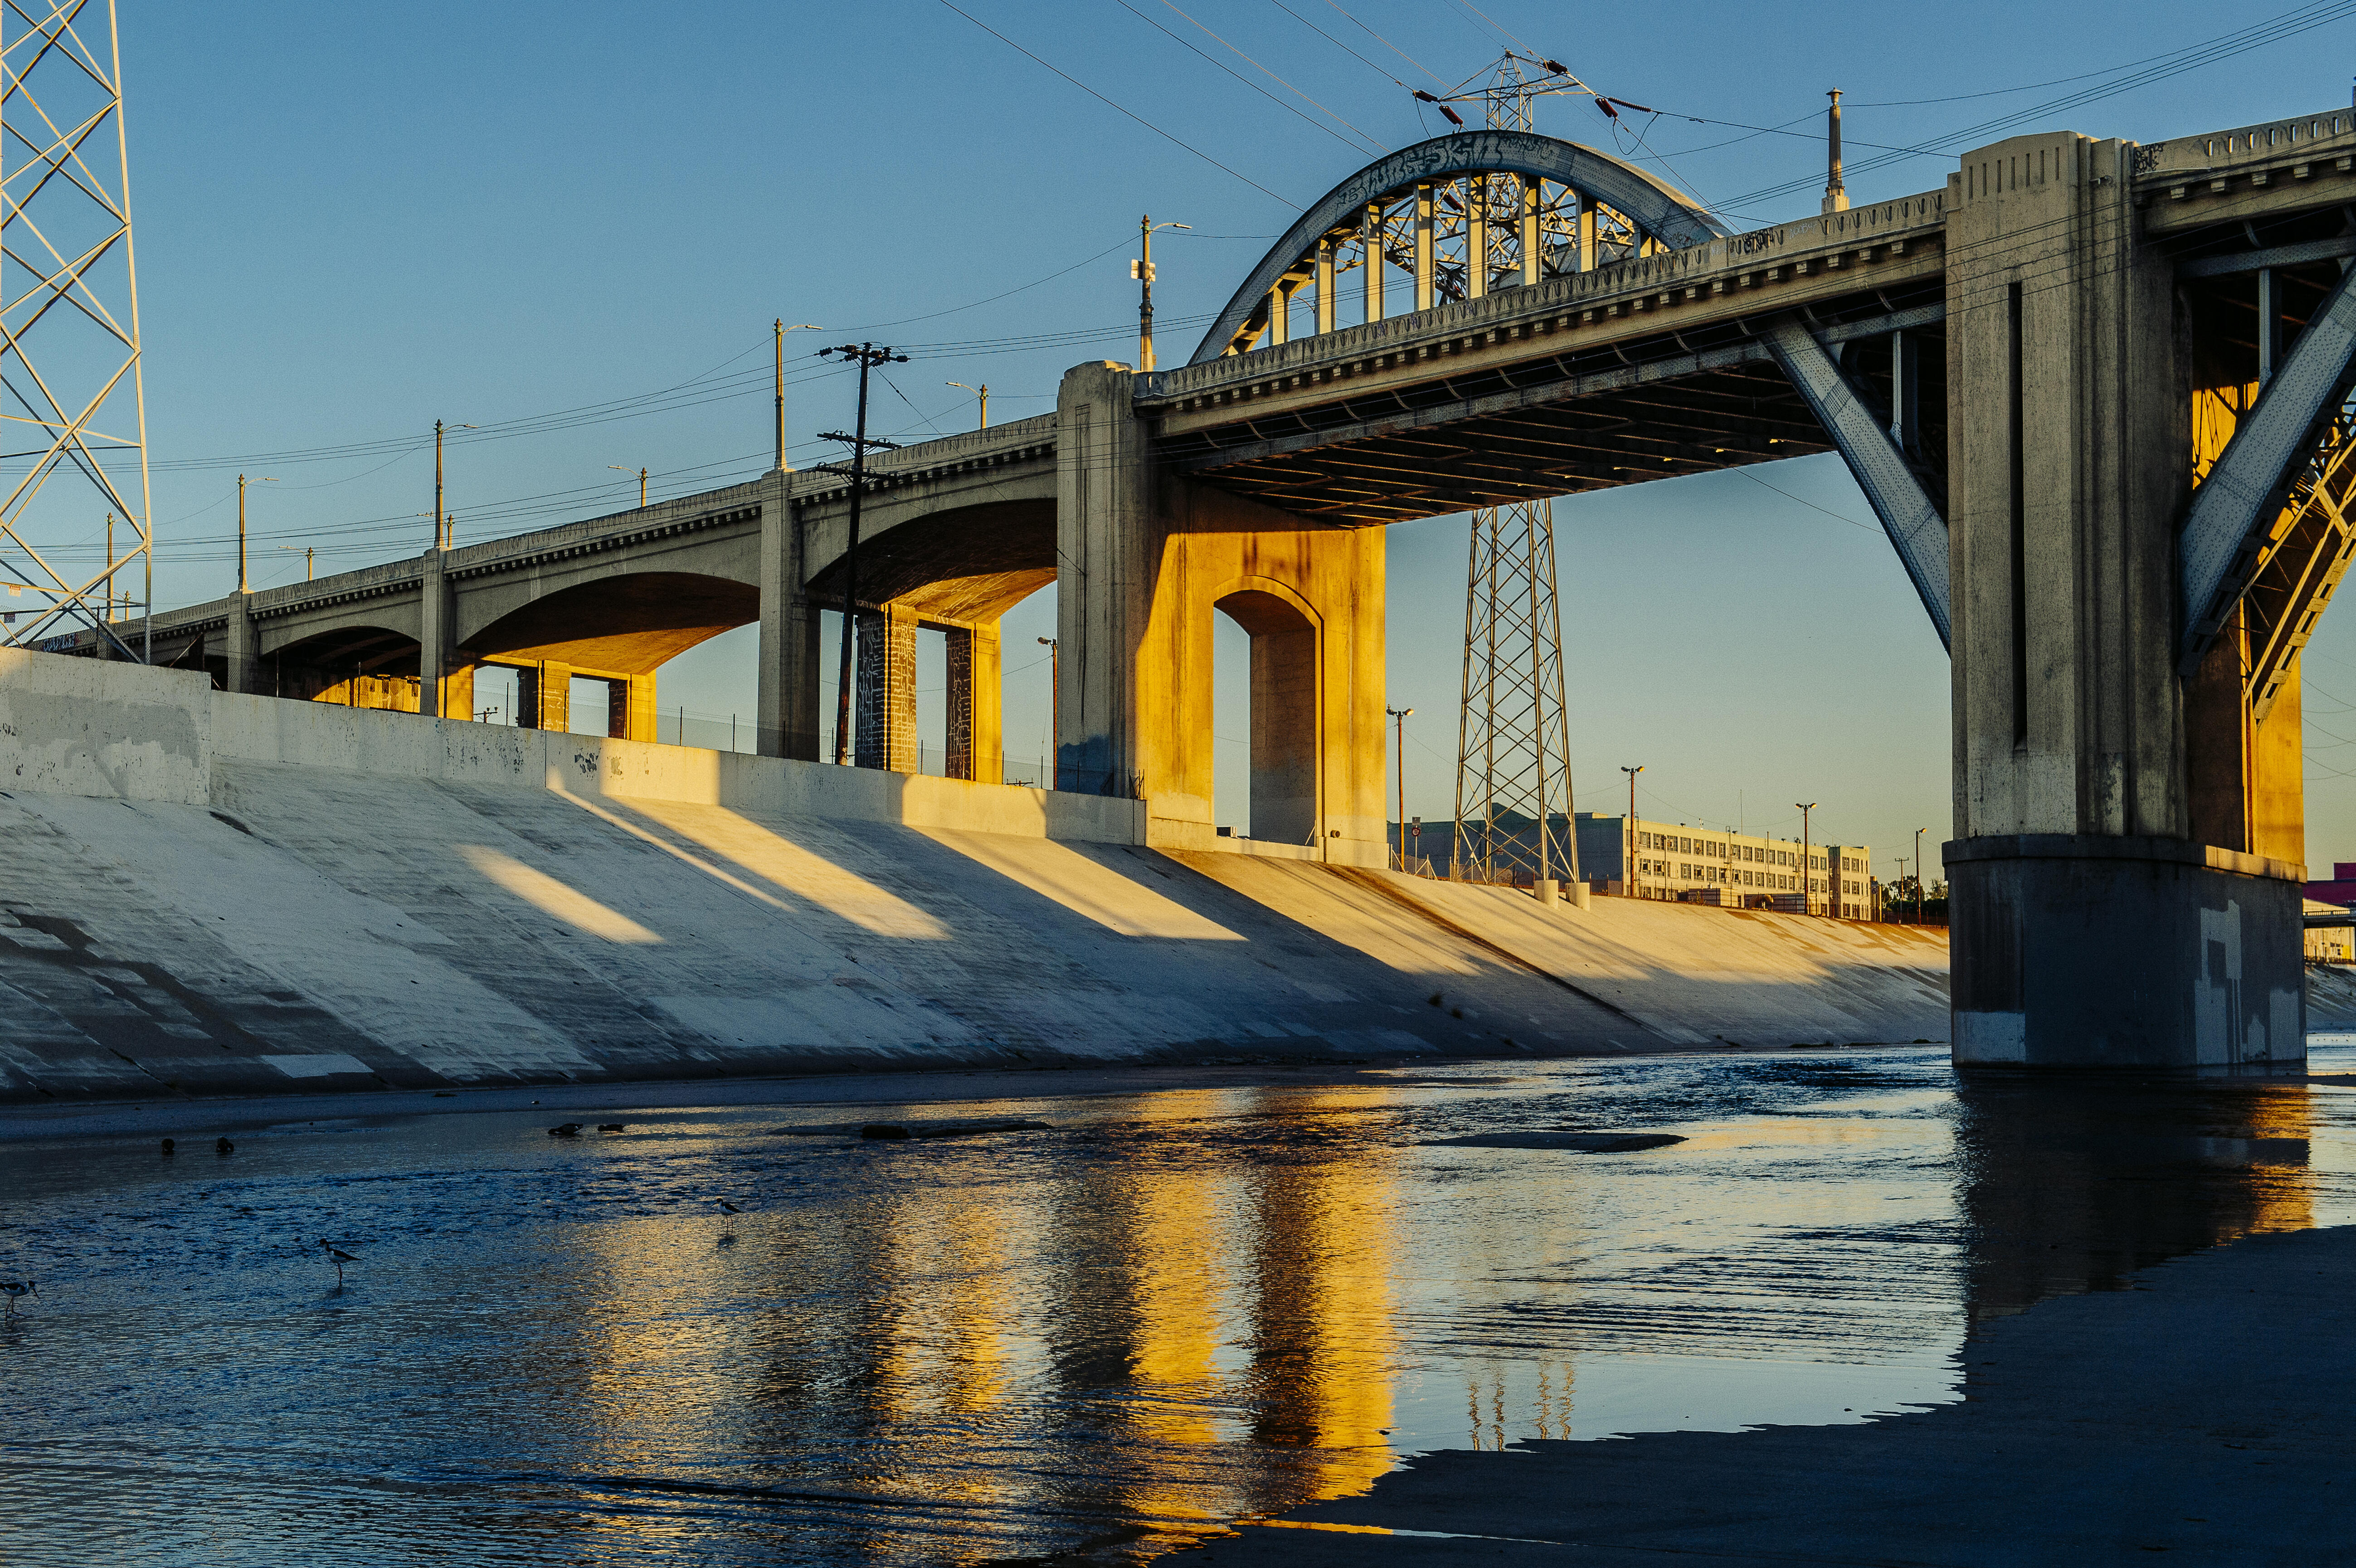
<point>338,1257</point>
<point>610,1126</point>
<point>727,1205</point>
<point>14,1288</point>
<point>167,1146</point>
<point>223,1146</point>
<point>568,1129</point>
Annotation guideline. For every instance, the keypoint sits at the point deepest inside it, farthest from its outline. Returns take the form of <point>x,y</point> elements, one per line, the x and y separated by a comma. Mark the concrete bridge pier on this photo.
<point>786,701</point>
<point>2126,843</point>
<point>1145,559</point>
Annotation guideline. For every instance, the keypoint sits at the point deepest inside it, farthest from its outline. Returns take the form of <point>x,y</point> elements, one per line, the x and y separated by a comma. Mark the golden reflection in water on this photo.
<point>1323,1246</point>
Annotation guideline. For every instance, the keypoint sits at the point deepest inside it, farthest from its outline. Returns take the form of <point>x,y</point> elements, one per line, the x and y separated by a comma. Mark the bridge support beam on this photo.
<point>2099,920</point>
<point>976,746</point>
<point>883,705</point>
<point>241,648</point>
<point>786,723</point>
<point>1144,562</point>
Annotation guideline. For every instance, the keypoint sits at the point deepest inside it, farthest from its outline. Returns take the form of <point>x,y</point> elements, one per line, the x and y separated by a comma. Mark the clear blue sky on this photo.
<point>355,220</point>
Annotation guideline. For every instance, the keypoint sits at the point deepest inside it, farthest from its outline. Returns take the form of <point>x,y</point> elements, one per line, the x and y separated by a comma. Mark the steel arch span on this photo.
<point>1428,210</point>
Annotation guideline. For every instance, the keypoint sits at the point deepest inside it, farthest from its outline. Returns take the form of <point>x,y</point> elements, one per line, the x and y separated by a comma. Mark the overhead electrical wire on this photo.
<point>1378,144</point>
<point>1109,104</point>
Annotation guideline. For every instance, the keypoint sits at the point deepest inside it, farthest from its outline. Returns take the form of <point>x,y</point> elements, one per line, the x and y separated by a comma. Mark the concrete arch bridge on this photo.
<point>2095,391</point>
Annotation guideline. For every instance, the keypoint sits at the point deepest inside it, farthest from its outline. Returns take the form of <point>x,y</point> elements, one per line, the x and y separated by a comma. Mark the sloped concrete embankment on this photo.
<point>203,894</point>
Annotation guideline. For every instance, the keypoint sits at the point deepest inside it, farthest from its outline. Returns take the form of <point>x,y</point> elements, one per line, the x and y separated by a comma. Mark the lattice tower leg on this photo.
<point>1512,736</point>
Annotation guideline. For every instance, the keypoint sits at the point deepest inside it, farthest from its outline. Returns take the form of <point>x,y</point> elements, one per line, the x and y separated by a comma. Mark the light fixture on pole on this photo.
<point>1401,715</point>
<point>1808,859</point>
<point>242,586</point>
<point>440,516</point>
<point>642,482</point>
<point>1142,271</point>
<point>781,331</point>
<point>1635,884</point>
<point>981,391</point>
<point>1918,873</point>
<point>306,552</point>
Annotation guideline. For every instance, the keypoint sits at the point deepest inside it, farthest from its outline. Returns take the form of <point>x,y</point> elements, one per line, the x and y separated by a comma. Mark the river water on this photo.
<point>1089,1343</point>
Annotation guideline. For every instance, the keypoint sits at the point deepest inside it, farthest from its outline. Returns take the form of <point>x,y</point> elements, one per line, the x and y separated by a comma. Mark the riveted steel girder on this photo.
<point>1880,469</point>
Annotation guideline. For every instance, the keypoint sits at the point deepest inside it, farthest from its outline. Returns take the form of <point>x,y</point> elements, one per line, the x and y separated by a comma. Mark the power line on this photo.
<point>1083,87</point>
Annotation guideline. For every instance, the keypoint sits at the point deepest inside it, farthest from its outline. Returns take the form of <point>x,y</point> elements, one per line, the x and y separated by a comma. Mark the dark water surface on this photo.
<point>1090,1343</point>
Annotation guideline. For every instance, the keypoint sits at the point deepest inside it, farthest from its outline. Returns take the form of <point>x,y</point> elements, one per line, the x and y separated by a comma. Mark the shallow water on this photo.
<point>1171,1309</point>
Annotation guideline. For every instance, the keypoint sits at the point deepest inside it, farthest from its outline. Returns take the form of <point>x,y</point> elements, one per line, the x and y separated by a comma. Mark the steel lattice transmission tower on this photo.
<point>71,382</point>
<point>1513,739</point>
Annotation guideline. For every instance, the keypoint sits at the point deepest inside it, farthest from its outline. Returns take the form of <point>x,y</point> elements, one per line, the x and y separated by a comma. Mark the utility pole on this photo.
<point>441,518</point>
<point>868,356</point>
<point>1142,271</point>
<point>107,613</point>
<point>1055,646</point>
<point>1635,885</point>
<point>981,391</point>
<point>1401,715</point>
<point>242,586</point>
<point>1808,859</point>
<point>781,331</point>
<point>642,483</point>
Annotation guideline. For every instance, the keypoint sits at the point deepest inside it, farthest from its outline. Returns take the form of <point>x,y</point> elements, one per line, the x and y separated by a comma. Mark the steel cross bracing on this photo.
<point>1513,738</point>
<point>69,360</point>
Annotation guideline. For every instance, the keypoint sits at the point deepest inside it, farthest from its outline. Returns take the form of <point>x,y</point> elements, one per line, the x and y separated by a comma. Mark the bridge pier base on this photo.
<point>1144,561</point>
<point>241,648</point>
<point>976,745</point>
<point>2123,894</point>
<point>884,702</point>
<point>786,718</point>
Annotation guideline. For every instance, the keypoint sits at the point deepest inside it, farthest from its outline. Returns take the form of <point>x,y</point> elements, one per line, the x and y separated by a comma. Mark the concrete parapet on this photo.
<point>79,726</point>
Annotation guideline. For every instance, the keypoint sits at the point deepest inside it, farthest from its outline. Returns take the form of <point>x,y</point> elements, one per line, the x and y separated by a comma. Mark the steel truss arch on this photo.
<point>1634,213</point>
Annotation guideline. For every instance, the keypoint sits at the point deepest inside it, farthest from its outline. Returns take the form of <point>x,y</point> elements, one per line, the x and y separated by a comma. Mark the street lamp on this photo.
<point>642,483</point>
<point>307,552</point>
<point>241,528</point>
<point>440,541</point>
<point>1918,873</point>
<point>1401,715</point>
<point>1635,885</point>
<point>1054,648</point>
<point>1808,859</point>
<point>781,331</point>
<point>981,391</point>
<point>1142,271</point>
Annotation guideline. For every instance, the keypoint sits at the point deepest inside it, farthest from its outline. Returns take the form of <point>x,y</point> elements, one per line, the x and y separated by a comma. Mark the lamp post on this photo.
<point>241,528</point>
<point>440,543</point>
<point>1635,884</point>
<point>1401,715</point>
<point>981,391</point>
<point>1142,271</point>
<point>1918,873</point>
<point>781,331</point>
<point>306,552</point>
<point>1054,648</point>
<point>642,483</point>
<point>1807,860</point>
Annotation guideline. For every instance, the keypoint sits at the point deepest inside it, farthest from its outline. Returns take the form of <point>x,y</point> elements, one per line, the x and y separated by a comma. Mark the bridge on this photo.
<point>2095,391</point>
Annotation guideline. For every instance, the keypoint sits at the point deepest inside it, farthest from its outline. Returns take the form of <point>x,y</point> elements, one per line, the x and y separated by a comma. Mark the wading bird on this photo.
<point>569,1130</point>
<point>223,1146</point>
<point>727,1205</point>
<point>338,1257</point>
<point>14,1288</point>
<point>167,1146</point>
<point>610,1126</point>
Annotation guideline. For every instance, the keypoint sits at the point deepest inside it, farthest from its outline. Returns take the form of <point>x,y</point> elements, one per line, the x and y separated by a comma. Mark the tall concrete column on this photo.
<point>434,634</point>
<point>1107,566</point>
<point>241,644</point>
<point>636,698</point>
<point>976,743</point>
<point>786,716</point>
<point>545,694</point>
<point>2096,921</point>
<point>884,702</point>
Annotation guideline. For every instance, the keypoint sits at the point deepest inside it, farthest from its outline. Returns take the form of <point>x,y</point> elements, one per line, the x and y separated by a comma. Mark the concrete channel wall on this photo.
<point>203,894</point>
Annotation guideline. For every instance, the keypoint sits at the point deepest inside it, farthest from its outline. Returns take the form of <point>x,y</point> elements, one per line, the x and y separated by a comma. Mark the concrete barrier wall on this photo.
<point>405,745</point>
<point>81,727</point>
